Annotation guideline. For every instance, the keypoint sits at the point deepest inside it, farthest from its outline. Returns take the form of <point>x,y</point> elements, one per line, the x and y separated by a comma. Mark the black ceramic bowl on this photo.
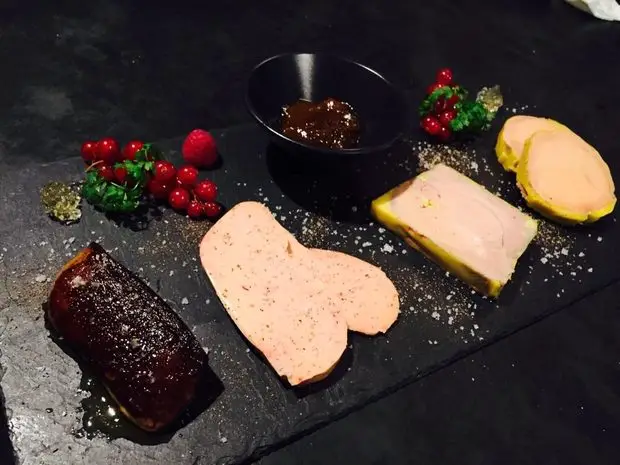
<point>283,79</point>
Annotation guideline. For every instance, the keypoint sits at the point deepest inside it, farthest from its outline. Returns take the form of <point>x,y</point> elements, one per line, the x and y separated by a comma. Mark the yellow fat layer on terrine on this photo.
<point>515,133</point>
<point>457,223</point>
<point>565,179</point>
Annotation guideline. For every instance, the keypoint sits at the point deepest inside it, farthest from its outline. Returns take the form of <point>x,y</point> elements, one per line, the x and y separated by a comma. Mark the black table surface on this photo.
<point>77,70</point>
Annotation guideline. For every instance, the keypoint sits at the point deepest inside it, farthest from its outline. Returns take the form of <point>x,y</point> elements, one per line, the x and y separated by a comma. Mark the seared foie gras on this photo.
<point>147,358</point>
<point>460,225</point>
<point>294,304</point>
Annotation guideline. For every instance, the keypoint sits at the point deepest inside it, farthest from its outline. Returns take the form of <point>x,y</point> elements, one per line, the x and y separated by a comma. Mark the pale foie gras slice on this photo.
<point>282,296</point>
<point>460,225</point>
<point>515,132</point>
<point>565,178</point>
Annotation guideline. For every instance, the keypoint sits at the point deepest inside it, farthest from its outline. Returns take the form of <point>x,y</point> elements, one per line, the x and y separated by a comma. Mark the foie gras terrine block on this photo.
<point>458,224</point>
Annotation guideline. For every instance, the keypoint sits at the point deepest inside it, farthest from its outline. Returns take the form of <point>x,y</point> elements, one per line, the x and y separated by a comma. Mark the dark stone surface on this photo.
<point>548,394</point>
<point>83,70</point>
<point>441,319</point>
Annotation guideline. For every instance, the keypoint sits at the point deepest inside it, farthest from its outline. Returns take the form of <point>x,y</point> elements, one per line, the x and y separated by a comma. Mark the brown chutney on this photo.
<point>329,123</point>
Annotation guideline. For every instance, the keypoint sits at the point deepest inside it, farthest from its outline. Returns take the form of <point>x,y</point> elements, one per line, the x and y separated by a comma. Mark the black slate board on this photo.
<point>441,319</point>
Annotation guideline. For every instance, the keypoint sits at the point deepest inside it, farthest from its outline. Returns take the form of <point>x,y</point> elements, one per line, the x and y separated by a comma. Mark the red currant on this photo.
<point>89,151</point>
<point>159,190</point>
<point>212,209</point>
<point>452,101</point>
<point>165,171</point>
<point>107,173</point>
<point>179,198</point>
<point>120,174</point>
<point>108,151</point>
<point>206,191</point>
<point>447,116</point>
<point>433,87</point>
<point>440,105</point>
<point>130,149</point>
<point>444,76</point>
<point>187,176</point>
<point>431,125</point>
<point>444,133</point>
<point>195,210</point>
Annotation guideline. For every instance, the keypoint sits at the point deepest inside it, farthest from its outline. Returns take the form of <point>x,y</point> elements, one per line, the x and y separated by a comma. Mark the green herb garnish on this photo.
<point>116,197</point>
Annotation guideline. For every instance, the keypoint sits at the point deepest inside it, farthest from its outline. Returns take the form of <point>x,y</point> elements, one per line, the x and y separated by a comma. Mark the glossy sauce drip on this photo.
<point>330,123</point>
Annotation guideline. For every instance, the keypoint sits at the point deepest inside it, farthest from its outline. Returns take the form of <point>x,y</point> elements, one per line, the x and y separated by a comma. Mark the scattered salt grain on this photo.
<point>184,301</point>
<point>40,278</point>
<point>171,273</point>
<point>589,270</point>
<point>435,315</point>
<point>387,248</point>
<point>599,238</point>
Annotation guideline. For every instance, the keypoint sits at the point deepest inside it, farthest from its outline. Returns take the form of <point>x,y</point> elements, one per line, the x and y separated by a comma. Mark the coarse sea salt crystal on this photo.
<point>387,248</point>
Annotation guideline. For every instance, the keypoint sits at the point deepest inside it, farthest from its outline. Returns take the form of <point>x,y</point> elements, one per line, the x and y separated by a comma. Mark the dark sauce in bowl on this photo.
<point>330,123</point>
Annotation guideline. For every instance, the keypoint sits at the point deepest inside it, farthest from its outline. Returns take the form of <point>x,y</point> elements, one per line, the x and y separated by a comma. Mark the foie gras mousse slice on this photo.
<point>292,303</point>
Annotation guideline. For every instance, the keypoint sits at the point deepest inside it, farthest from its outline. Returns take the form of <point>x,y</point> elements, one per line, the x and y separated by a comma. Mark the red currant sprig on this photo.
<point>183,192</point>
<point>180,188</point>
<point>436,122</point>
